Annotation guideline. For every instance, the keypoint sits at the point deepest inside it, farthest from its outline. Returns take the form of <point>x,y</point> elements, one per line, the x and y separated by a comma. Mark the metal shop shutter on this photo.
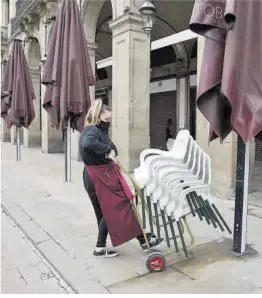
<point>162,107</point>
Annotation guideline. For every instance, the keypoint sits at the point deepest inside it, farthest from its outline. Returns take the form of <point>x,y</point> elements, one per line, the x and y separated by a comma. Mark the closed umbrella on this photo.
<point>230,89</point>
<point>67,75</point>
<point>17,92</point>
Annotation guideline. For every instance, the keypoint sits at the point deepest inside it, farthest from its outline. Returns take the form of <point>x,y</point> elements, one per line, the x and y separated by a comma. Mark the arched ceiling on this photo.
<point>176,13</point>
<point>103,32</point>
<point>172,16</point>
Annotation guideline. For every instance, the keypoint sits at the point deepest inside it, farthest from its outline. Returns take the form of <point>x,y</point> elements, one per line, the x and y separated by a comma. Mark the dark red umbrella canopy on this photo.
<point>17,92</point>
<point>67,70</point>
<point>230,85</point>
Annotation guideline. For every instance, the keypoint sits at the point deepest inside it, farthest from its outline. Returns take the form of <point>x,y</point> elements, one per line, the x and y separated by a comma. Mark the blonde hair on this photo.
<point>96,109</point>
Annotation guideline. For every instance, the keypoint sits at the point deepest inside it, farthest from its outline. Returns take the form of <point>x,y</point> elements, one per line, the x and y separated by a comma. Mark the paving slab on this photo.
<point>23,271</point>
<point>155,283</point>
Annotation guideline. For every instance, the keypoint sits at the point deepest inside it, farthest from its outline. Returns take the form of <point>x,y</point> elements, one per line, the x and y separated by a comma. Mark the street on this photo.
<point>49,231</point>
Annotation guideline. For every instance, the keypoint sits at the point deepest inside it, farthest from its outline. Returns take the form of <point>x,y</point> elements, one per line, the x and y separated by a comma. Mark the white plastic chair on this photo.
<point>167,198</point>
<point>182,135</point>
<point>174,160</point>
<point>203,187</point>
<point>174,177</point>
<point>176,207</point>
<point>175,187</point>
<point>151,157</point>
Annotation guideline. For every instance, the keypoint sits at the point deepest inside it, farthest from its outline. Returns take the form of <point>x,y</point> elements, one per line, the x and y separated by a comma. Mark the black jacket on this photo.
<point>94,145</point>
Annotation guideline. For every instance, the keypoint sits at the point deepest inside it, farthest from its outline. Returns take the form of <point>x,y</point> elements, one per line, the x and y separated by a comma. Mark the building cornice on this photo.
<point>29,14</point>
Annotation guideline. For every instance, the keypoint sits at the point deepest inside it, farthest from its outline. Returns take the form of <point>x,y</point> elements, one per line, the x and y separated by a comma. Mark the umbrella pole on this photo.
<point>241,201</point>
<point>18,151</point>
<point>68,154</point>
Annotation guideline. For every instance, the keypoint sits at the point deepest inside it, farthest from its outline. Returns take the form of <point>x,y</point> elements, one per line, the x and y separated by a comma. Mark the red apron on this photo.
<point>114,195</point>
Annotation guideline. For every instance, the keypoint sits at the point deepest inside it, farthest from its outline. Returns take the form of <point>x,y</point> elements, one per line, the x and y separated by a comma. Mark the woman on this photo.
<point>113,210</point>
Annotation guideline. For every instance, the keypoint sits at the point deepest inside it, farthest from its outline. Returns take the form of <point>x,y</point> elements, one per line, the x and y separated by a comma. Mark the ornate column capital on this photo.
<point>129,21</point>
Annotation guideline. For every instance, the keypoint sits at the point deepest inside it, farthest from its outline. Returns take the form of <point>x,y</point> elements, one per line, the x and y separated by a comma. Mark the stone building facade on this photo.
<point>145,82</point>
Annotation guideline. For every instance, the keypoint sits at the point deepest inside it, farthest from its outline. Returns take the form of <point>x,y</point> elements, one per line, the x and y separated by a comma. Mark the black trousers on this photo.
<point>102,228</point>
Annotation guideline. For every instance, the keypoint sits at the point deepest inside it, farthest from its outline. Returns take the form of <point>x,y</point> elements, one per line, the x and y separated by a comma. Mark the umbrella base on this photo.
<point>249,252</point>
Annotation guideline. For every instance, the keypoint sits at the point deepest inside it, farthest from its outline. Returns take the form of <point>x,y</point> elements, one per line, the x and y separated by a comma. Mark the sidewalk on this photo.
<point>23,269</point>
<point>58,220</point>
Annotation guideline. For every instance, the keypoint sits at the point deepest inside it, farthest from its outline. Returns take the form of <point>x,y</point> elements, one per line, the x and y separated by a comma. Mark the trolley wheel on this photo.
<point>156,262</point>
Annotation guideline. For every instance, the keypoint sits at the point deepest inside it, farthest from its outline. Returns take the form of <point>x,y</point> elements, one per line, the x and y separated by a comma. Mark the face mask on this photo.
<point>104,125</point>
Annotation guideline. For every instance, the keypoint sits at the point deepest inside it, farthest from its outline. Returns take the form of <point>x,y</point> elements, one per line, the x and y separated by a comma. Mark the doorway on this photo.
<point>162,108</point>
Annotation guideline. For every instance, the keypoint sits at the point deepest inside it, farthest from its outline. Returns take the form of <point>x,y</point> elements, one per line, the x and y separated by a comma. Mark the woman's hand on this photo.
<point>112,153</point>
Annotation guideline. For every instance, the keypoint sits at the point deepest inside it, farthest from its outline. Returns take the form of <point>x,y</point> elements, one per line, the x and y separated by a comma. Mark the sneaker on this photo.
<point>153,242</point>
<point>105,253</point>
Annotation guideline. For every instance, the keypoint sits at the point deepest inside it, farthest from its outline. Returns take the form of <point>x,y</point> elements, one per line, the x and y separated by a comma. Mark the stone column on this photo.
<point>32,135</point>
<point>12,8</point>
<point>92,47</point>
<point>110,103</point>
<point>252,159</point>
<point>13,135</point>
<point>130,81</point>
<point>223,156</point>
<point>5,13</point>
<point>5,132</point>
<point>76,135</point>
<point>182,96</point>
<point>51,139</point>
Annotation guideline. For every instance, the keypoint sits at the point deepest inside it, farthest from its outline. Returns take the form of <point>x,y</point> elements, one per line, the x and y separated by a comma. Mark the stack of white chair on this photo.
<point>165,174</point>
<point>178,181</point>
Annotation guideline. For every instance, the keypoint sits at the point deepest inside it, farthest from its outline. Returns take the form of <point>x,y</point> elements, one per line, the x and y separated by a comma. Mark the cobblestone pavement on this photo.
<point>24,271</point>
